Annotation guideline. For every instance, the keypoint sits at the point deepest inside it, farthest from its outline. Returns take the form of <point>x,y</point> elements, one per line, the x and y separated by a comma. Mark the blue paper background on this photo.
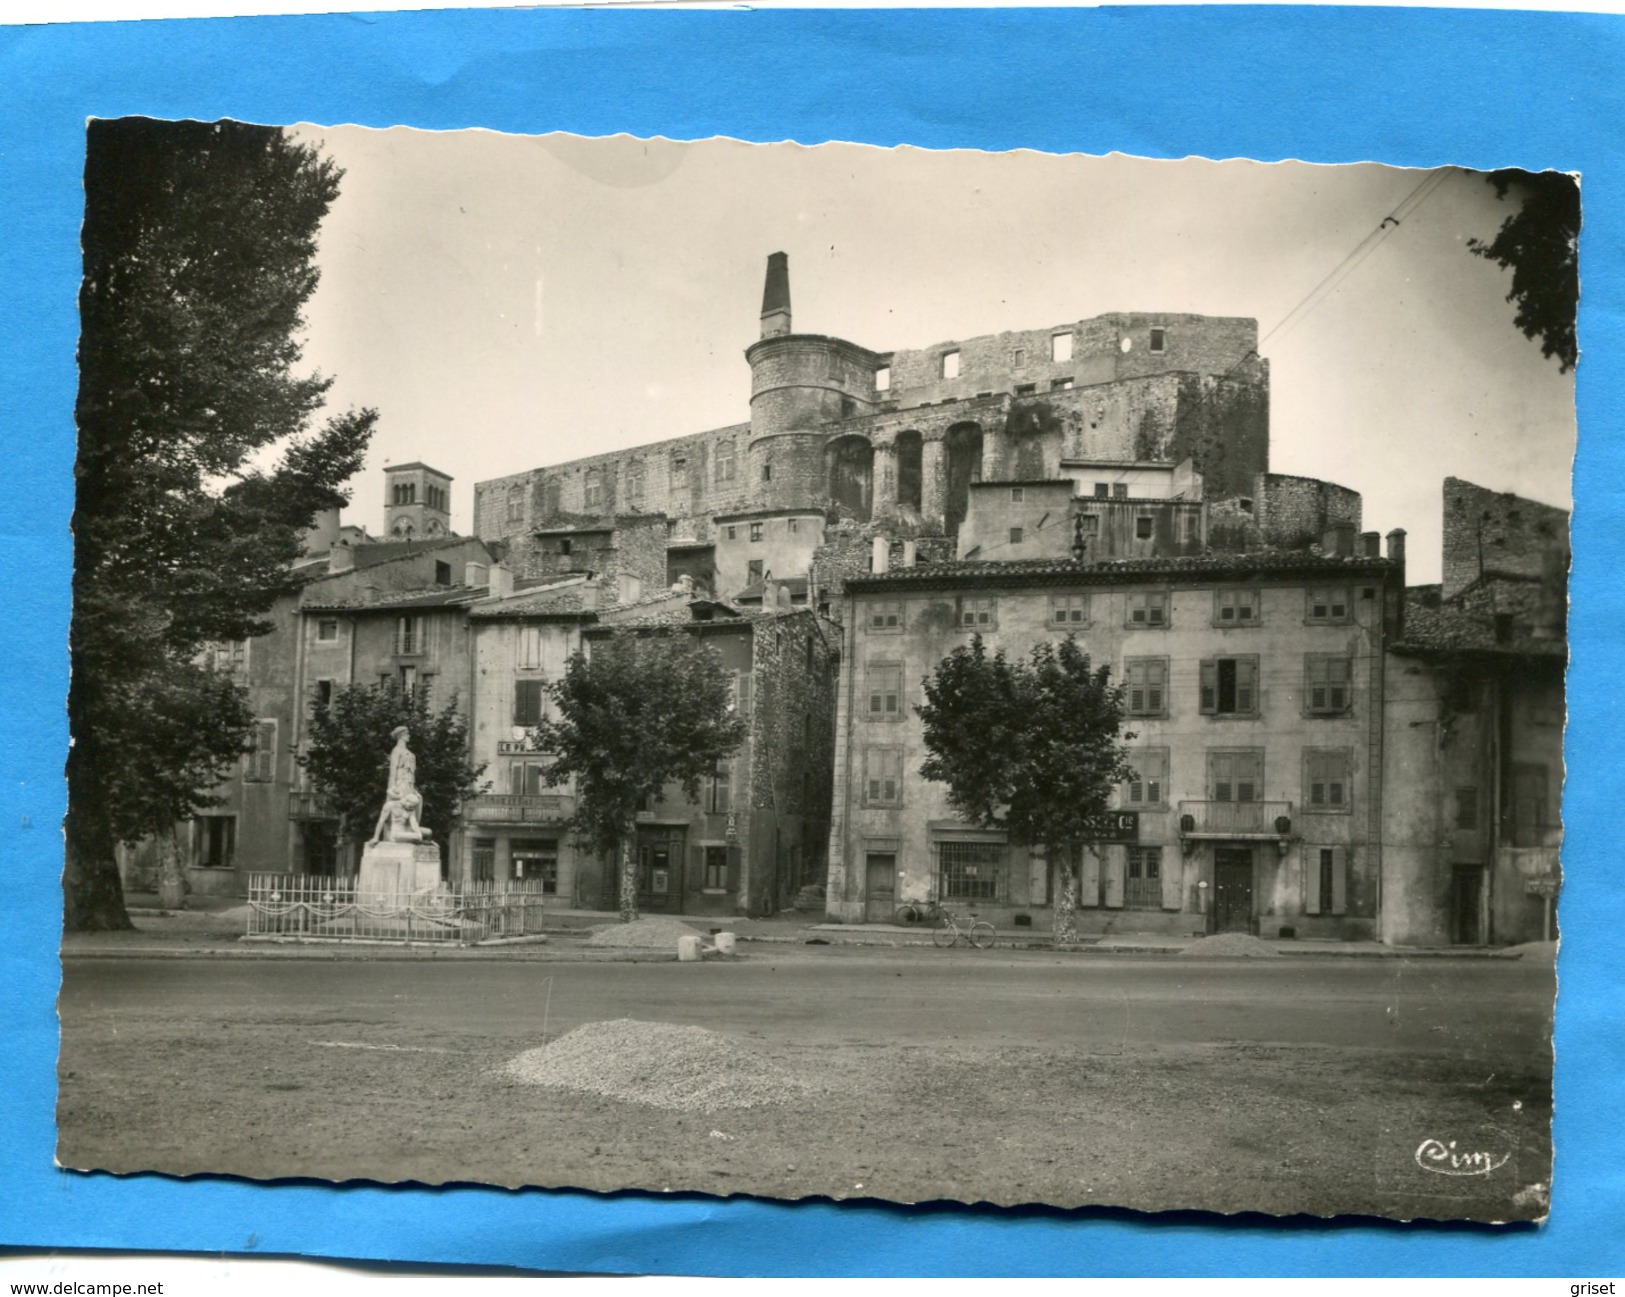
<point>1408,87</point>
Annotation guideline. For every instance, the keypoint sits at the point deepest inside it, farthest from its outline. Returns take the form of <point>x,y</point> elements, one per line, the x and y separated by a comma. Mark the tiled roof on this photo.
<point>1432,627</point>
<point>1046,571</point>
<point>395,600</point>
<point>387,551</point>
<point>556,601</point>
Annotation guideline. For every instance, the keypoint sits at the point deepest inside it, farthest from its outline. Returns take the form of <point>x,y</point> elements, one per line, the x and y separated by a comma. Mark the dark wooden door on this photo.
<point>1467,905</point>
<point>1233,889</point>
<point>880,887</point>
<point>660,874</point>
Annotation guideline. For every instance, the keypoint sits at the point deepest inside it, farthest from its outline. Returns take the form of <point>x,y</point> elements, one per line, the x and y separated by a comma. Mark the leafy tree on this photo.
<point>642,712</point>
<point>199,240</point>
<point>1540,244</point>
<point>347,756</point>
<point>1032,747</point>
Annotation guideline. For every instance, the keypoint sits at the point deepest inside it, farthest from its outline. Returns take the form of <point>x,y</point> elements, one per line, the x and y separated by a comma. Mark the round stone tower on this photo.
<point>803,386</point>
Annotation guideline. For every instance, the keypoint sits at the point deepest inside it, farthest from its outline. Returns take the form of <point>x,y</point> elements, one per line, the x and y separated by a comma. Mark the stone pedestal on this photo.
<point>398,869</point>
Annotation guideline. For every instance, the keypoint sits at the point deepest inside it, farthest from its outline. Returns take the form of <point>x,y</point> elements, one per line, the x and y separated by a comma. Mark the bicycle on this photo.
<point>977,932</point>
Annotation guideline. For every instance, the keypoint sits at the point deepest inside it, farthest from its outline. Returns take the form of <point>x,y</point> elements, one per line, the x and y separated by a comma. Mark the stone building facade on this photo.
<point>1255,687</point>
<point>896,439</point>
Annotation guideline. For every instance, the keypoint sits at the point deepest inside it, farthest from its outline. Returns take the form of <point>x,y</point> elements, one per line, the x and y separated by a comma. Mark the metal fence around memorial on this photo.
<point>309,907</point>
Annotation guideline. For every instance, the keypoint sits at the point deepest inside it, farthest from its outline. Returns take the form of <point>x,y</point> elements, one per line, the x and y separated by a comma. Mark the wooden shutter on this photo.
<point>1311,880</point>
<point>1173,880</point>
<point>1089,883</point>
<point>265,751</point>
<point>1113,871</point>
<point>736,867</point>
<point>1210,686</point>
<point>696,871</point>
<point>1246,684</point>
<point>1340,882</point>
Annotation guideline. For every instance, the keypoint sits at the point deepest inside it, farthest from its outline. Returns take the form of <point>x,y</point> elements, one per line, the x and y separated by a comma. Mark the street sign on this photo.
<point>1113,826</point>
<point>1540,886</point>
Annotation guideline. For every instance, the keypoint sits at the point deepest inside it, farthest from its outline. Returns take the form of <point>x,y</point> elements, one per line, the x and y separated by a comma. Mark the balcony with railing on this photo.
<point>1265,821</point>
<point>515,808</point>
<point>304,804</point>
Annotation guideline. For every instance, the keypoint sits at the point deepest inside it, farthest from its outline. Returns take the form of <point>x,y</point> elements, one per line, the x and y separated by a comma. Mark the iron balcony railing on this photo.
<point>306,805</point>
<point>1215,819</point>
<point>515,808</point>
<point>304,907</point>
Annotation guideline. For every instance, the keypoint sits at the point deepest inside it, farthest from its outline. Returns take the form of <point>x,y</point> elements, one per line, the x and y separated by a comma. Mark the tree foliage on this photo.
<point>1032,747</point>
<point>642,712</point>
<point>199,243</point>
<point>1540,244</point>
<point>347,756</point>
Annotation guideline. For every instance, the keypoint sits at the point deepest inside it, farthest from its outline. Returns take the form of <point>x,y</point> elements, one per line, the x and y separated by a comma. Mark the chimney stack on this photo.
<point>341,558</point>
<point>910,553</point>
<point>881,551</point>
<point>500,582</point>
<point>475,574</point>
<point>776,296</point>
<point>1370,544</point>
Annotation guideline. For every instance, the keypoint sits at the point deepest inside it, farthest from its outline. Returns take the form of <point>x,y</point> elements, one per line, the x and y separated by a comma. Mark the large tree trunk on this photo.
<point>1066,897</point>
<point>629,876</point>
<point>92,892</point>
<point>171,874</point>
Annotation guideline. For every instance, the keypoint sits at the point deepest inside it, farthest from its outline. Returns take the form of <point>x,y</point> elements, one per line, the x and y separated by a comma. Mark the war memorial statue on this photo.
<point>401,856</point>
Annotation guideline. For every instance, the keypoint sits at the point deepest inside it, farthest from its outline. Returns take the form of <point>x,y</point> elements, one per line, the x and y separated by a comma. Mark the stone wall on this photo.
<point>1490,533</point>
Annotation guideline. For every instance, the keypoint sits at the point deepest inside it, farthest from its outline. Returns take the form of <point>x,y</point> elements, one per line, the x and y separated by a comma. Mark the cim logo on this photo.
<point>1445,1159</point>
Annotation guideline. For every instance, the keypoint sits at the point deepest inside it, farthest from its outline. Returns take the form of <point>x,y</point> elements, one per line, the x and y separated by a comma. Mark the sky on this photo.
<point>507,302</point>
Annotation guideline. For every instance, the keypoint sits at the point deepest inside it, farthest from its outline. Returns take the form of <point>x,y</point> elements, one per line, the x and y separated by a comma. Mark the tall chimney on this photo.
<point>776,296</point>
<point>1396,556</point>
<point>880,552</point>
<point>499,581</point>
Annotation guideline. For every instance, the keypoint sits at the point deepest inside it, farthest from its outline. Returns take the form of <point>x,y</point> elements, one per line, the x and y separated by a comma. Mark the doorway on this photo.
<point>660,871</point>
<point>1467,905</point>
<point>880,887</point>
<point>1233,889</point>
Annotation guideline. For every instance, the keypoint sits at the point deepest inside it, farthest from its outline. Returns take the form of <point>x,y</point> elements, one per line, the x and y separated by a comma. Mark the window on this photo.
<point>679,471</point>
<point>214,841</point>
<point>260,766</point>
<point>767,472</point>
<point>1325,880</point>
<point>530,648</point>
<point>1119,490</point>
<point>537,860</point>
<point>230,657</point>
<point>756,531</point>
<point>516,504</point>
<point>1327,688</point>
<point>1150,777</point>
<point>1026,389</point>
<point>730,532</point>
<point>1189,525</point>
<point>1147,680</point>
<point>792,525</point>
<point>887,615</point>
<point>1236,774</point>
<point>885,691</point>
<point>1068,609</point>
<point>1016,534</point>
<point>883,776</point>
<point>1467,809</point>
<point>979,614</point>
<point>718,790</point>
<point>1103,490</point>
<point>1142,888</point>
<point>566,545</point>
<point>1018,358</point>
<point>969,871</point>
<point>442,573</point>
<point>753,571</point>
<point>725,460</point>
<point>324,693</point>
<point>1148,608</point>
<point>1235,607</point>
<point>406,492</point>
<point>1330,605</point>
<point>634,483</point>
<point>527,778</point>
<point>1530,810</point>
<point>327,630</point>
<point>1060,384</point>
<point>1060,347</point>
<point>408,636</point>
<point>484,860</point>
<point>883,379</point>
<point>716,869</point>
<point>1159,339</point>
<point>529,701</point>
<point>1088,526</point>
<point>406,679</point>
<point>1230,686</point>
<point>1018,494</point>
<point>1144,527</point>
<point>739,693</point>
<point>950,364</point>
<point>1326,779</point>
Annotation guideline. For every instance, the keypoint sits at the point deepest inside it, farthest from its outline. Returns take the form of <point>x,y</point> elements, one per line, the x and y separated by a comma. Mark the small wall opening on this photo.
<point>850,464</point>
<point>910,455</point>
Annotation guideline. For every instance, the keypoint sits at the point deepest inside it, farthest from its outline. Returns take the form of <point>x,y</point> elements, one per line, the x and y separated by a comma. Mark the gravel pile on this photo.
<point>1231,945</point>
<point>644,934</point>
<point>685,1069</point>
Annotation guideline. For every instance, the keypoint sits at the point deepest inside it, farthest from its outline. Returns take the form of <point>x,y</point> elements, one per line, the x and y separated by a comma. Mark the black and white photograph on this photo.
<point>817,671</point>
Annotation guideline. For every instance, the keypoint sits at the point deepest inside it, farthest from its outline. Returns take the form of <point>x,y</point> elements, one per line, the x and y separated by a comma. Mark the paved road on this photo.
<point>1470,1008</point>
